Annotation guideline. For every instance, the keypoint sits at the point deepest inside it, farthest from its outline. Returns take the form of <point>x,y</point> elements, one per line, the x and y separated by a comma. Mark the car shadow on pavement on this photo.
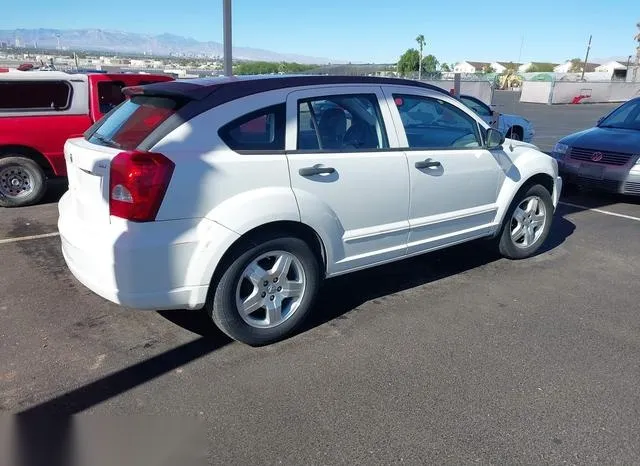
<point>45,431</point>
<point>346,293</point>
<point>55,189</point>
<point>595,199</point>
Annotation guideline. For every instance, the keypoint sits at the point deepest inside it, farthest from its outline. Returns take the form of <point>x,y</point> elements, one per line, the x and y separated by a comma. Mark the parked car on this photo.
<point>237,195</point>
<point>39,111</point>
<point>606,156</point>
<point>512,126</point>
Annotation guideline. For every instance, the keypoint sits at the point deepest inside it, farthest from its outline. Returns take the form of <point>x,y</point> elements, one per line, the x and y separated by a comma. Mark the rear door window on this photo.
<point>35,95</point>
<point>261,130</point>
<point>133,121</point>
<point>341,123</point>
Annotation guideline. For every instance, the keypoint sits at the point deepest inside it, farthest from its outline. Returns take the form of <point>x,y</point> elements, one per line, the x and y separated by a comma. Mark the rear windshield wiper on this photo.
<point>106,141</point>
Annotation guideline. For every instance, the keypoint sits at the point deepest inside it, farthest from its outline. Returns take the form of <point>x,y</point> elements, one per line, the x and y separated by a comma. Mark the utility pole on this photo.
<point>228,60</point>
<point>584,67</point>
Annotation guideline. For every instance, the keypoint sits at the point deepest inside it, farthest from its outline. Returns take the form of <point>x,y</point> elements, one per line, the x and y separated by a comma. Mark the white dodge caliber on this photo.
<point>240,195</point>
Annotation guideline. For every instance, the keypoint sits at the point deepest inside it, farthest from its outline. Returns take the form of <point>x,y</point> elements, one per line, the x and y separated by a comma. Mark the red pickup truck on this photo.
<point>39,111</point>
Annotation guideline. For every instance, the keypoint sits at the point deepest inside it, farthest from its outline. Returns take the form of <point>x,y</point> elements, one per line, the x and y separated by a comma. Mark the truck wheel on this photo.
<point>527,223</point>
<point>22,181</point>
<point>266,290</point>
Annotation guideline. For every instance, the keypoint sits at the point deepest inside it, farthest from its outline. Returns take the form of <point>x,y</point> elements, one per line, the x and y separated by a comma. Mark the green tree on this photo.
<point>511,66</point>
<point>409,62</point>
<point>263,67</point>
<point>488,69</point>
<point>541,68</point>
<point>576,65</point>
<point>445,67</point>
<point>420,40</point>
<point>430,63</point>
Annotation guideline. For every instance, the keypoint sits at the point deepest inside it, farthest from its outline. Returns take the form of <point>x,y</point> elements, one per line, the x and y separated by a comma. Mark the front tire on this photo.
<point>514,134</point>
<point>266,291</point>
<point>22,182</point>
<point>527,223</point>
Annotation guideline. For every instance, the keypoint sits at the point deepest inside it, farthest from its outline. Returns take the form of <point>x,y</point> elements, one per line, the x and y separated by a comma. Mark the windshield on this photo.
<point>475,106</point>
<point>626,116</point>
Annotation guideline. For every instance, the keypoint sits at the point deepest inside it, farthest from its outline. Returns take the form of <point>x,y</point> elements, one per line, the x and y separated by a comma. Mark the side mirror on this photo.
<point>494,139</point>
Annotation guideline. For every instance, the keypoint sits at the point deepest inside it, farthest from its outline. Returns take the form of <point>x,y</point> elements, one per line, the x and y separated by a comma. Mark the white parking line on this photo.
<point>27,238</point>
<point>606,212</point>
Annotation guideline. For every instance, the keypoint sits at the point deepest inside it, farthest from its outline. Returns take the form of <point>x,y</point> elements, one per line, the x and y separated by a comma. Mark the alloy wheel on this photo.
<point>270,289</point>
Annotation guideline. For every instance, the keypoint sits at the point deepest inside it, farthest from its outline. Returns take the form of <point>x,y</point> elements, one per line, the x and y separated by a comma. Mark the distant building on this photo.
<point>565,67</point>
<point>610,67</point>
<point>502,66</point>
<point>470,66</point>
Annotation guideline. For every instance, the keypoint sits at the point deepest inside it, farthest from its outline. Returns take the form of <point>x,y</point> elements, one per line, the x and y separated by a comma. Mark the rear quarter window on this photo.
<point>261,130</point>
<point>35,95</point>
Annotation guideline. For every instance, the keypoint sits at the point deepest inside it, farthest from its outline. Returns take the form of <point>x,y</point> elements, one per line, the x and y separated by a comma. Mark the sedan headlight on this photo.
<point>560,148</point>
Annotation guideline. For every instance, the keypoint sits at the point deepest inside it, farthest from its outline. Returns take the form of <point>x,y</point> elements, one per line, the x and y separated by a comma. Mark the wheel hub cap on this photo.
<point>15,182</point>
<point>528,222</point>
<point>270,289</point>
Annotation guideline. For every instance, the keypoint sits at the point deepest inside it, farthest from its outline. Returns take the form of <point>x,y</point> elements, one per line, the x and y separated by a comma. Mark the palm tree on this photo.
<point>420,40</point>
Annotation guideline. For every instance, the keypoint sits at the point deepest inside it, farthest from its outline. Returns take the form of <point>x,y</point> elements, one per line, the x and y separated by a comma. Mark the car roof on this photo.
<point>225,89</point>
<point>54,75</point>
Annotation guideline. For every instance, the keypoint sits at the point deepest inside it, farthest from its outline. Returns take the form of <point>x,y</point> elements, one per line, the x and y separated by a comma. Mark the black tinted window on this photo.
<point>35,95</point>
<point>341,123</point>
<point>110,95</point>
<point>259,130</point>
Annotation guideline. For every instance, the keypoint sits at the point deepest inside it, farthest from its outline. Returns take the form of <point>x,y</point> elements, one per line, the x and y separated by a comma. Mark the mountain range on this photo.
<point>131,42</point>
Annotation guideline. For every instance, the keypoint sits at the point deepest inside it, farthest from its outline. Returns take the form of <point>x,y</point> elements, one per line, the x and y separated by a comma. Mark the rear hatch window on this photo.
<point>130,123</point>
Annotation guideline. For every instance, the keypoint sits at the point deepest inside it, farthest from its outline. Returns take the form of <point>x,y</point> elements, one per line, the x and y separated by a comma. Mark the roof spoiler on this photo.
<point>179,89</point>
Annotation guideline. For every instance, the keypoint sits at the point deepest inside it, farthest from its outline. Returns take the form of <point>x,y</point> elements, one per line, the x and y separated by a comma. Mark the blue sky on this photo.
<point>363,30</point>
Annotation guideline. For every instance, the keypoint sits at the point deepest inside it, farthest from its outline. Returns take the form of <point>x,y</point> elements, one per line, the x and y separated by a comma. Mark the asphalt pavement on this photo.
<point>457,356</point>
<point>551,122</point>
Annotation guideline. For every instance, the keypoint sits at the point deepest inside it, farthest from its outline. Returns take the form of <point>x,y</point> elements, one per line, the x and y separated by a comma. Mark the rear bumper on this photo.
<point>621,180</point>
<point>158,265</point>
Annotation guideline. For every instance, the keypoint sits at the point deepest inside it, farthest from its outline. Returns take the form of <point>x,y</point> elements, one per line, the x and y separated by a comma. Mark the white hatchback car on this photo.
<point>240,195</point>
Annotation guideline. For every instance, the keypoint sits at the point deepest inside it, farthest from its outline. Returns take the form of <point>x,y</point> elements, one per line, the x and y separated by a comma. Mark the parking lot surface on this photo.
<point>551,122</point>
<point>454,357</point>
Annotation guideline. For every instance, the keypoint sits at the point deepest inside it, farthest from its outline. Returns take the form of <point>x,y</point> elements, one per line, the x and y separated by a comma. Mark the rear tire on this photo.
<point>527,223</point>
<point>22,181</point>
<point>244,301</point>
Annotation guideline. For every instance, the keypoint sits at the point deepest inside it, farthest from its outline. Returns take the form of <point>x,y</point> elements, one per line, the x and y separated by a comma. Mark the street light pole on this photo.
<point>585,59</point>
<point>228,61</point>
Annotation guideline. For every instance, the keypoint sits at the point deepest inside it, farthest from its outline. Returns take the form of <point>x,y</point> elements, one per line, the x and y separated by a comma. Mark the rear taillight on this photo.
<point>138,182</point>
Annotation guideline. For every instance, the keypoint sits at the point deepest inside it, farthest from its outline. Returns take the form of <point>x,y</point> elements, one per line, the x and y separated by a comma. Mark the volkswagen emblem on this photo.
<point>597,156</point>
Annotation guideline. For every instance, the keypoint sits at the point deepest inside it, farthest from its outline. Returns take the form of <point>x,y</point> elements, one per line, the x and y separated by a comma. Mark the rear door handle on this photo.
<point>428,164</point>
<point>311,171</point>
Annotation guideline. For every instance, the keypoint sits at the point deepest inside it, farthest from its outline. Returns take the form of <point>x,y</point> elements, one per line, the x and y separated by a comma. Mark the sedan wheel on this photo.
<point>265,291</point>
<point>514,135</point>
<point>270,289</point>
<point>527,223</point>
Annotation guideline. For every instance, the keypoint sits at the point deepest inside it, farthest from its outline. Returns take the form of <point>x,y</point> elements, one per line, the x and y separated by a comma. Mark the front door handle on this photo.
<point>428,164</point>
<point>311,171</point>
